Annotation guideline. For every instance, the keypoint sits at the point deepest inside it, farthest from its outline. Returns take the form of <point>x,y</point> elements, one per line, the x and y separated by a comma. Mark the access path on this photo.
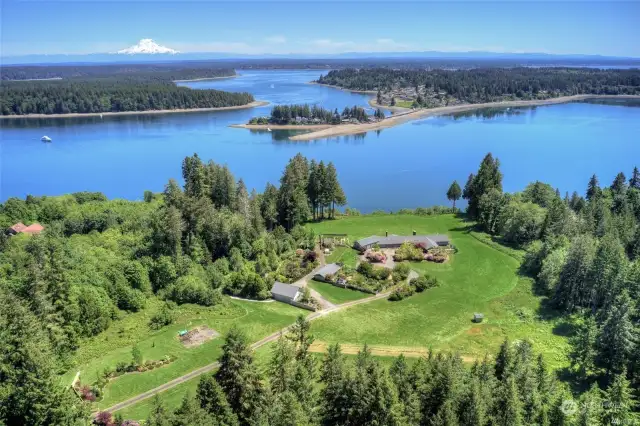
<point>210,367</point>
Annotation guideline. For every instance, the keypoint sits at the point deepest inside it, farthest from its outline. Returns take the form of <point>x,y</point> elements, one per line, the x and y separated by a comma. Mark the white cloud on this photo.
<point>277,39</point>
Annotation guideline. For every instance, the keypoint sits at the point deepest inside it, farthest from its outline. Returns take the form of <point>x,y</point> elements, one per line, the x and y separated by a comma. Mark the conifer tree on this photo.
<point>619,185</point>
<point>590,408</point>
<point>607,271</point>
<point>242,204</point>
<point>159,416</point>
<point>593,189</point>
<point>571,291</point>
<point>508,410</point>
<point>238,377</point>
<point>634,181</point>
<point>29,386</point>
<point>583,347</point>
<point>212,399</point>
<point>281,368</point>
<point>189,413</point>
<point>454,192</point>
<point>618,402</point>
<point>488,178</point>
<point>333,396</point>
<point>616,341</point>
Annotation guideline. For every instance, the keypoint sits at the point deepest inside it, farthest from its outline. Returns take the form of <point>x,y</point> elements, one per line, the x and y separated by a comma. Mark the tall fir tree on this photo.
<point>213,400</point>
<point>593,189</point>
<point>454,193</point>
<point>616,341</point>
<point>238,377</point>
<point>634,181</point>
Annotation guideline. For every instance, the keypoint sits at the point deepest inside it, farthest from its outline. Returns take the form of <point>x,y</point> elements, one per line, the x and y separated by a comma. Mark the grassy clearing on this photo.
<point>336,295</point>
<point>404,104</point>
<point>479,278</point>
<point>114,345</point>
<point>344,255</point>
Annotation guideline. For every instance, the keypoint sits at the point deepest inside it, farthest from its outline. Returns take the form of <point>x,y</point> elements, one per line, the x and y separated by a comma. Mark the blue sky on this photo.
<point>77,27</point>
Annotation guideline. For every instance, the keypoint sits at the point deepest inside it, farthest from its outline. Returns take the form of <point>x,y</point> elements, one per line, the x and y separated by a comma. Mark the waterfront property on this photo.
<point>395,241</point>
<point>326,271</point>
<point>286,293</point>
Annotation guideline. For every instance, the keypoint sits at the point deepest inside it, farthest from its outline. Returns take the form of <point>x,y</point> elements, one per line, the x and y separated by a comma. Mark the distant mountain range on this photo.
<point>149,51</point>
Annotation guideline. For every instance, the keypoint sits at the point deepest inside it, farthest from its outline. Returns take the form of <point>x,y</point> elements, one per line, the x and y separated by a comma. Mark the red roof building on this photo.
<point>33,229</point>
<point>20,227</point>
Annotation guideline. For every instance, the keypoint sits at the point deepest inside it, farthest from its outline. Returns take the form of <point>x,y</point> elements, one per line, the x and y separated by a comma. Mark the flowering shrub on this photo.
<point>402,292</point>
<point>408,251</point>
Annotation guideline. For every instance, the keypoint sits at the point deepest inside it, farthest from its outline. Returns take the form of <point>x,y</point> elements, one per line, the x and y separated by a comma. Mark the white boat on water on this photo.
<point>268,129</point>
<point>45,139</point>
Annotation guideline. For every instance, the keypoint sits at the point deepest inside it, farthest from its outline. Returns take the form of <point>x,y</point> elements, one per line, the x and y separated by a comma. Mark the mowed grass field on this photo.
<point>336,295</point>
<point>107,349</point>
<point>482,277</point>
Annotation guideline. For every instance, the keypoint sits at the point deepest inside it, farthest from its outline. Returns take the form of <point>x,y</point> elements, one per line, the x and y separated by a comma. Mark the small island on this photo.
<point>305,116</point>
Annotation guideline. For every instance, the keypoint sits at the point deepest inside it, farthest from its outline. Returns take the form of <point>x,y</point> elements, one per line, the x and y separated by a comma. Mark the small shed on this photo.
<point>478,317</point>
<point>286,293</point>
<point>325,271</point>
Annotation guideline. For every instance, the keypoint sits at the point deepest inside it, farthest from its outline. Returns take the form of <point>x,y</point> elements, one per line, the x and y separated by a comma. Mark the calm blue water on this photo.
<point>405,166</point>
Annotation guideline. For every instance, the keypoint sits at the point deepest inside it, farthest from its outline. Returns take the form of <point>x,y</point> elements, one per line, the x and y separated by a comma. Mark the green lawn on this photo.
<point>404,104</point>
<point>336,295</point>
<point>344,255</point>
<point>481,277</point>
<point>114,345</point>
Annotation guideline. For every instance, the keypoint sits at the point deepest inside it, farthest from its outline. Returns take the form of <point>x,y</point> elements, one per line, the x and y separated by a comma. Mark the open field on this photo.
<point>336,295</point>
<point>114,345</point>
<point>481,277</point>
<point>395,120</point>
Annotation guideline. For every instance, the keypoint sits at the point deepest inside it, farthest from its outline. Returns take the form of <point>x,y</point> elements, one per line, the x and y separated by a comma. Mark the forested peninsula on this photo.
<point>441,87</point>
<point>306,115</point>
<point>104,89</point>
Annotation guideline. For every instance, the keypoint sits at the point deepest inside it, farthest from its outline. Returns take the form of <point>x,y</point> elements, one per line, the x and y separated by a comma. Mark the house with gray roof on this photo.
<point>286,293</point>
<point>326,271</point>
<point>395,241</point>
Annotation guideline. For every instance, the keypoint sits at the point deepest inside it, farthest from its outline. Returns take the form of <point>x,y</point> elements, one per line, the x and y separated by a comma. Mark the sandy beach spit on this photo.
<point>350,129</point>
<point>148,112</point>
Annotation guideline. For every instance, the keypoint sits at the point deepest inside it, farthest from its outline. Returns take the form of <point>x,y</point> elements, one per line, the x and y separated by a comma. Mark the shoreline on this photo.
<point>206,78</point>
<point>253,104</point>
<point>401,118</point>
<point>282,126</point>
<point>363,92</point>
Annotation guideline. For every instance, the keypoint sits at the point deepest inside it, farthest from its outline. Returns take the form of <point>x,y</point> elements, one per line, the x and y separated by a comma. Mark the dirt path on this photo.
<point>380,350</point>
<point>210,367</point>
<point>302,282</point>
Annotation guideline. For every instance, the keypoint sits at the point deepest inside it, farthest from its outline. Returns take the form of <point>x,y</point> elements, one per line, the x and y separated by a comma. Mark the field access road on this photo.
<point>210,367</point>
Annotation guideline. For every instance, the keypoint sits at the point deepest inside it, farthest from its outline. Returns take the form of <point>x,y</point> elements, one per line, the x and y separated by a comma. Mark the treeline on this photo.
<point>584,254</point>
<point>167,71</point>
<point>95,95</point>
<point>313,114</point>
<point>513,388</point>
<point>491,84</point>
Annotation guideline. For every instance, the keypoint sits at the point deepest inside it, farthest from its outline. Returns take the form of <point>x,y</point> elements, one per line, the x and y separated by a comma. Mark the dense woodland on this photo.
<point>109,94</point>
<point>313,114</point>
<point>164,71</point>
<point>489,84</point>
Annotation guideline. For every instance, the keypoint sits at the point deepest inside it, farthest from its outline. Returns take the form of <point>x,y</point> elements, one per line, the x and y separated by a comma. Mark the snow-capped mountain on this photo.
<point>147,46</point>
